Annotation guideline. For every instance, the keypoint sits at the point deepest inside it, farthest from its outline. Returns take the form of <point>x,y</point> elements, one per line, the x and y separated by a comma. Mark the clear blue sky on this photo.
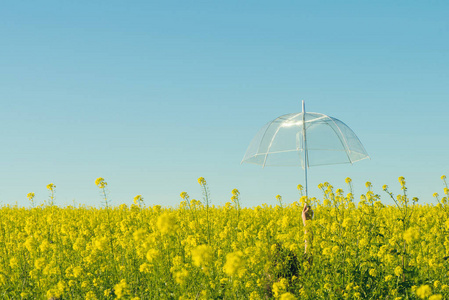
<point>152,95</point>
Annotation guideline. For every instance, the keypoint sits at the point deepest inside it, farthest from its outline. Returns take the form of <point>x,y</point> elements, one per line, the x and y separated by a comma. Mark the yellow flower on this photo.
<point>166,223</point>
<point>61,286</point>
<point>348,180</point>
<point>299,187</point>
<point>39,263</point>
<point>77,271</point>
<point>14,262</point>
<point>402,181</point>
<point>254,296</point>
<point>101,243</point>
<point>51,187</point>
<point>436,297</point>
<point>398,271</point>
<point>443,177</point>
<point>287,296</point>
<point>280,287</point>
<point>202,181</point>
<point>145,268</point>
<point>235,192</point>
<point>234,263</point>
<point>435,195</point>
<point>90,296</point>
<point>152,254</point>
<point>385,187</point>
<point>121,289</point>
<point>368,184</point>
<point>373,272</point>
<point>30,243</point>
<point>30,196</point>
<point>181,276</point>
<point>411,234</point>
<point>100,182</point>
<point>424,291</point>
<point>139,234</point>
<point>53,294</point>
<point>201,255</point>
<point>138,199</point>
<point>184,195</point>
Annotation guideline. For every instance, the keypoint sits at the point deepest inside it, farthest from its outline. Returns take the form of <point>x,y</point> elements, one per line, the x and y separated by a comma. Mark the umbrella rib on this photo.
<point>258,148</point>
<point>360,143</point>
<point>345,143</point>
<point>296,150</point>
<point>366,157</point>
<point>272,139</point>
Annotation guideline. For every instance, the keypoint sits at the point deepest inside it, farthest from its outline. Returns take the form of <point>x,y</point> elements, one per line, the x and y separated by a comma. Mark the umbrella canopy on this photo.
<point>304,139</point>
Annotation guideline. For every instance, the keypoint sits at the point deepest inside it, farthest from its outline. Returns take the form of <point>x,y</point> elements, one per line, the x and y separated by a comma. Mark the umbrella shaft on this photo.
<point>304,143</point>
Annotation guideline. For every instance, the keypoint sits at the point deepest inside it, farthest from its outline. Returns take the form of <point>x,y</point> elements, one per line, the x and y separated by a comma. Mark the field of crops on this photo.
<point>356,249</point>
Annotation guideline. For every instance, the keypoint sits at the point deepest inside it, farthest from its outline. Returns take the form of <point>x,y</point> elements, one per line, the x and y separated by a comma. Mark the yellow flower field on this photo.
<point>356,249</point>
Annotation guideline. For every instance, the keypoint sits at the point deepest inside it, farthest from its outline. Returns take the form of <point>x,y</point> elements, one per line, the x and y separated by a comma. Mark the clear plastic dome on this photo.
<point>281,142</point>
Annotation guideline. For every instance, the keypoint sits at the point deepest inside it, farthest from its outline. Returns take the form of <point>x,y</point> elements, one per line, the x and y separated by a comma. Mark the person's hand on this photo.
<point>307,213</point>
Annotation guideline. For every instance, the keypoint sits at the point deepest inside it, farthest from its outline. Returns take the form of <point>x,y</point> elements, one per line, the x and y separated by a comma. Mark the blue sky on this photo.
<point>152,95</point>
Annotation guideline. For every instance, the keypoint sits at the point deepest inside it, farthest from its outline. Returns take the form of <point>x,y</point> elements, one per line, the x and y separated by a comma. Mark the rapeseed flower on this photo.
<point>90,296</point>
<point>234,263</point>
<point>287,296</point>
<point>201,181</point>
<point>201,255</point>
<point>138,200</point>
<point>180,276</point>
<point>152,254</point>
<point>167,223</point>
<point>411,235</point>
<point>39,263</point>
<point>424,291</point>
<point>30,196</point>
<point>398,271</point>
<point>280,287</point>
<point>100,182</point>
<point>121,289</point>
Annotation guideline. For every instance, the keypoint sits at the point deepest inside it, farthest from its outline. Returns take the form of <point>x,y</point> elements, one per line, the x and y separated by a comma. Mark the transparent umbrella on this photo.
<point>305,139</point>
